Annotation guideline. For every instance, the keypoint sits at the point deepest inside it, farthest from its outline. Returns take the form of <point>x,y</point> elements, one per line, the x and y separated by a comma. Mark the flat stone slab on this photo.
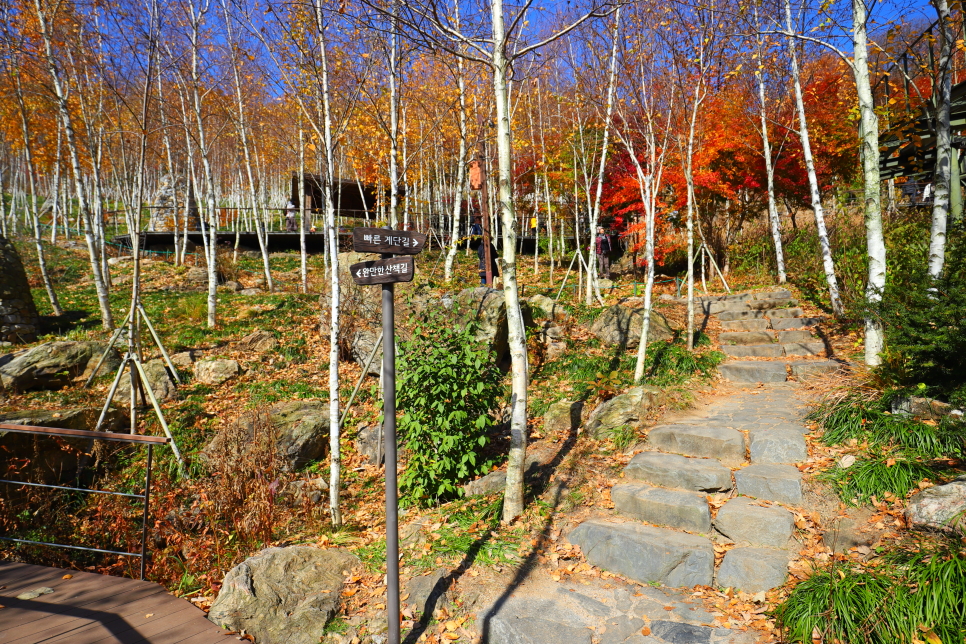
<point>733,297</point>
<point>753,371</point>
<point>661,506</point>
<point>774,445</point>
<point>804,348</point>
<point>748,524</point>
<point>794,323</point>
<point>721,306</point>
<point>753,351</point>
<point>773,295</point>
<point>801,335</point>
<point>646,554</point>
<point>771,303</point>
<point>753,570</point>
<point>746,337</point>
<point>730,316</point>
<point>726,445</point>
<point>781,483</point>
<point>794,312</point>
<point>745,325</point>
<point>673,470</point>
<point>803,369</point>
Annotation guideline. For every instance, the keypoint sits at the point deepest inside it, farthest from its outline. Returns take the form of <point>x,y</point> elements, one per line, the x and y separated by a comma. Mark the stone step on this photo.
<point>745,325</point>
<point>793,322</point>
<point>771,304</point>
<point>664,507</point>
<point>646,554</point>
<point>748,523</point>
<point>816,348</point>
<point>787,337</point>
<point>753,351</point>
<point>752,371</point>
<point>776,445</point>
<point>729,316</point>
<point>733,297</point>
<point>781,483</point>
<point>748,337</point>
<point>673,470</point>
<point>714,308</point>
<point>753,570</point>
<point>804,369</point>
<point>772,295</point>
<point>725,444</point>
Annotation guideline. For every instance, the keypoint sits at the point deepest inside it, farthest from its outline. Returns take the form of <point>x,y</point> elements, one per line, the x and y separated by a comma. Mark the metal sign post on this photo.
<point>387,271</point>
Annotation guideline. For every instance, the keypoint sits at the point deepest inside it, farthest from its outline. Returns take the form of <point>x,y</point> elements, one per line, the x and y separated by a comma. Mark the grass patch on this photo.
<point>895,473</point>
<point>910,596</point>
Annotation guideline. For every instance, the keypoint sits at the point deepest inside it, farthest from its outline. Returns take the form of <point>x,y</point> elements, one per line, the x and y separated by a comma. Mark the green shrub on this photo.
<point>449,386</point>
<point>909,596</point>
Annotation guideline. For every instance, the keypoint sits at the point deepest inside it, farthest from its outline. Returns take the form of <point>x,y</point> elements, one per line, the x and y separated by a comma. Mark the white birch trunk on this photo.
<point>944,152</point>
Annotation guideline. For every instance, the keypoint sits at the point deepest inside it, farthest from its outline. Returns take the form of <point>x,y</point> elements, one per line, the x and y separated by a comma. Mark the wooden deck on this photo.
<point>96,609</point>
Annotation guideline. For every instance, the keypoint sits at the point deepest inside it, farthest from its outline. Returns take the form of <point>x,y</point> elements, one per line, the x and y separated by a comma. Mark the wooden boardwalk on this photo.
<point>96,609</point>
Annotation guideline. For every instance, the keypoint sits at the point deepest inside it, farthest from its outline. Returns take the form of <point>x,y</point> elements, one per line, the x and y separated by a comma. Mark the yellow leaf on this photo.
<point>450,636</point>
<point>931,637</point>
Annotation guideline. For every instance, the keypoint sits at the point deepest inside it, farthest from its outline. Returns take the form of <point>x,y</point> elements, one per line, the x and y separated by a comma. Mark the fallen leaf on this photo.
<point>67,577</point>
<point>149,615</point>
<point>847,461</point>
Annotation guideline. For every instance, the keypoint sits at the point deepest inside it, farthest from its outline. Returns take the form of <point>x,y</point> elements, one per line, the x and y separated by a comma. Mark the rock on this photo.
<point>672,470</point>
<point>621,325</point>
<point>942,507</point>
<point>745,325</point>
<point>169,203</point>
<point>794,323</point>
<point>487,307</point>
<point>19,320</point>
<point>919,407</point>
<point>185,359</point>
<point>114,261</point>
<point>369,444</point>
<point>753,570</point>
<point>563,417</point>
<point>801,335</point>
<point>258,342</point>
<point>555,350</point>
<point>250,291</point>
<point>303,430</point>
<point>533,622</point>
<point>35,593</point>
<point>727,445</point>
<point>646,554</point>
<point>605,283</point>
<point>804,348</point>
<point>283,595</point>
<point>782,293</point>
<point>746,337</point>
<point>746,522</point>
<point>629,408</point>
<point>773,303</point>
<point>159,380</point>
<point>544,306</point>
<point>53,365</point>
<point>754,371</point>
<point>363,343</point>
<point>781,483</point>
<point>197,275</point>
<point>672,508</point>
<point>233,285</point>
<point>770,445</point>
<point>429,592</point>
<point>753,351</point>
<point>804,369</point>
<point>715,308</point>
<point>783,313</point>
<point>215,371</point>
<point>495,481</point>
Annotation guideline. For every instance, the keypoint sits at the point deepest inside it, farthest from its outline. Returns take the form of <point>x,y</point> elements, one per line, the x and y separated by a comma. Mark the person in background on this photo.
<point>603,248</point>
<point>533,226</point>
<point>477,226</point>
<point>290,212</point>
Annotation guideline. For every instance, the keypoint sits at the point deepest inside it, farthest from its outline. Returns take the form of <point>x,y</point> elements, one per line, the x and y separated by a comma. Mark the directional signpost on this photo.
<point>387,271</point>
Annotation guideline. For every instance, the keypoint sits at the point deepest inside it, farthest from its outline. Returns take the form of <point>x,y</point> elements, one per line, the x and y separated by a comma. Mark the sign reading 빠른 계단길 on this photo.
<point>389,242</point>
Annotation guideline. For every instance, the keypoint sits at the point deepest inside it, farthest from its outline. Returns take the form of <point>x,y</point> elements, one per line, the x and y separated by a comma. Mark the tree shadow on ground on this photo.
<point>69,321</point>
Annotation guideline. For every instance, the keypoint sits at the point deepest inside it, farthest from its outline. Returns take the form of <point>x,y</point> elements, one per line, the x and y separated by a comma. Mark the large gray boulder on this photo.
<point>19,321</point>
<point>629,408</point>
<point>216,371</point>
<point>363,344</point>
<point>621,325</point>
<point>942,507</point>
<point>302,431</point>
<point>563,417</point>
<point>283,595</point>
<point>259,341</point>
<point>159,380</point>
<point>547,307</point>
<point>53,365</point>
<point>487,307</point>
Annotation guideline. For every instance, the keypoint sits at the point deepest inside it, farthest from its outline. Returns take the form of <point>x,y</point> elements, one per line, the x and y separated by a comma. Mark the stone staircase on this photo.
<point>722,477</point>
<point>771,328</point>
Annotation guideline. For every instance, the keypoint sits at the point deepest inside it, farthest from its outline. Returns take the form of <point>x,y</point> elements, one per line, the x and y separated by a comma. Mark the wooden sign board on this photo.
<point>476,175</point>
<point>384,271</point>
<point>383,240</point>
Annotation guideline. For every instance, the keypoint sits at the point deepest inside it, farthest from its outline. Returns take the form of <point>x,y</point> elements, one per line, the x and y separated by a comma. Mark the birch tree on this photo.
<point>942,176</point>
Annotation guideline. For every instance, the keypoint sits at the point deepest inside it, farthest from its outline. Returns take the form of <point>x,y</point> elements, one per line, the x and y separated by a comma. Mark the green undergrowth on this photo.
<point>893,453</point>
<point>912,595</point>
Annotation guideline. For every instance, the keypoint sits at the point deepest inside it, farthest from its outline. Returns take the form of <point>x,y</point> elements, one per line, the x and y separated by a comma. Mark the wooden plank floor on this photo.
<point>96,609</point>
